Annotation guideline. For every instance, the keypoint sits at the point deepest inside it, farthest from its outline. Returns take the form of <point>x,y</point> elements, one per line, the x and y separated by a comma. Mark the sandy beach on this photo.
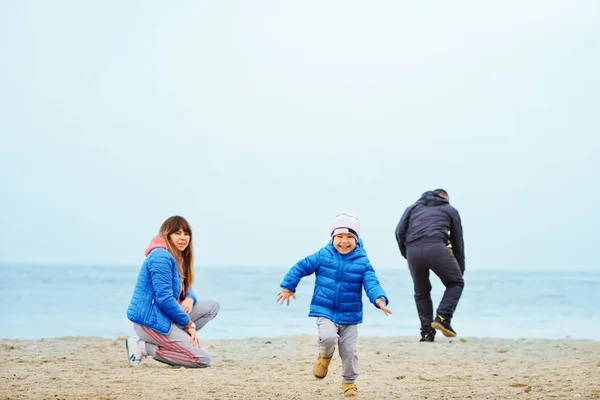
<point>280,368</point>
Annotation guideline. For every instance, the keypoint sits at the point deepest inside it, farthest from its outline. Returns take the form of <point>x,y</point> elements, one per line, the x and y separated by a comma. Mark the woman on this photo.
<point>164,310</point>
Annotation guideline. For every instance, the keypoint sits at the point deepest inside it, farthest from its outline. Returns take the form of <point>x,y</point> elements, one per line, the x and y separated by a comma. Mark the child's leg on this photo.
<point>203,311</point>
<point>328,337</point>
<point>348,352</point>
<point>174,348</point>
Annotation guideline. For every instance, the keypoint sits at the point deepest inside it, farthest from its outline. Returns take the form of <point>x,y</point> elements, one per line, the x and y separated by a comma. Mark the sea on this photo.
<point>49,301</point>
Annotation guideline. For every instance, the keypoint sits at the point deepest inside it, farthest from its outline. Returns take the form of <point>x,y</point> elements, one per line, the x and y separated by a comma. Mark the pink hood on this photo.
<point>156,243</point>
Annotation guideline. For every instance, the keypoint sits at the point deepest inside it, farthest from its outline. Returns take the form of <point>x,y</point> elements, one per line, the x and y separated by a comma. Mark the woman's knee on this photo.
<point>203,358</point>
<point>216,308</point>
<point>209,307</point>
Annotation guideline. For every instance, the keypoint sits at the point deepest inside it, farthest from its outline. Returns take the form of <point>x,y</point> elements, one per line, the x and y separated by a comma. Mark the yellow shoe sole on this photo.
<point>440,327</point>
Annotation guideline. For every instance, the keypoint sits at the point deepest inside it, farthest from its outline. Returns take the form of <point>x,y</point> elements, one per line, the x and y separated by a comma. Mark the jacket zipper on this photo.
<point>337,288</point>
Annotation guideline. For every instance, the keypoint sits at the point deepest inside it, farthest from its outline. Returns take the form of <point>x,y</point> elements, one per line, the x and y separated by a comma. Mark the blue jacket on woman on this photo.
<point>155,300</point>
<point>339,281</point>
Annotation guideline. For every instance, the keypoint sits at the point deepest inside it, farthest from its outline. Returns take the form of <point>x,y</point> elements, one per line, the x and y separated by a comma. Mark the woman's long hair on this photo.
<point>184,259</point>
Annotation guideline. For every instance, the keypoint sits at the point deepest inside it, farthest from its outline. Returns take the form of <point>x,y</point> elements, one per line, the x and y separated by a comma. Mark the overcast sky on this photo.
<point>259,121</point>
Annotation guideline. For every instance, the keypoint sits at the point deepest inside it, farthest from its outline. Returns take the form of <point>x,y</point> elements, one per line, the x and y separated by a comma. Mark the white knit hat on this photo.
<point>345,223</point>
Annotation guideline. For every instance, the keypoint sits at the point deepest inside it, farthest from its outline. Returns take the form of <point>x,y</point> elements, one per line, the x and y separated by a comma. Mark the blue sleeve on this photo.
<point>304,267</point>
<point>162,281</point>
<point>190,293</point>
<point>372,286</point>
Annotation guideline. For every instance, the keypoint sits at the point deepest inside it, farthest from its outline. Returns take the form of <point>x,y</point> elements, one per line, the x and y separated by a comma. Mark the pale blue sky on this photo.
<point>261,120</point>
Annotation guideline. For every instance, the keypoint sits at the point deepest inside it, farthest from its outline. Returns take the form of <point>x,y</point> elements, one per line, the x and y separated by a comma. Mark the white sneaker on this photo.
<point>134,353</point>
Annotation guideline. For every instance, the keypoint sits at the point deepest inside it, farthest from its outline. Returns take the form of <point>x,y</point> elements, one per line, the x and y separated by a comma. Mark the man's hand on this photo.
<point>382,306</point>
<point>187,305</point>
<point>284,296</point>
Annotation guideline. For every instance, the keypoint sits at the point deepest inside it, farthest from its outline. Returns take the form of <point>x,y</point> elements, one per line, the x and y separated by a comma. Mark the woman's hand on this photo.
<point>382,306</point>
<point>194,339</point>
<point>284,295</point>
<point>187,305</point>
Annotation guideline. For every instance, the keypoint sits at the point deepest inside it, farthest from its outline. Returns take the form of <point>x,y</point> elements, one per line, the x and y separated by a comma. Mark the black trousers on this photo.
<point>434,256</point>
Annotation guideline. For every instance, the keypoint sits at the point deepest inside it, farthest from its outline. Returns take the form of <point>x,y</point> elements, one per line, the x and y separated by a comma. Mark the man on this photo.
<point>424,234</point>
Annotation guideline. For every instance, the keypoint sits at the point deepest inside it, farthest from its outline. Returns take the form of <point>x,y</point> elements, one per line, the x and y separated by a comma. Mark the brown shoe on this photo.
<point>321,365</point>
<point>349,389</point>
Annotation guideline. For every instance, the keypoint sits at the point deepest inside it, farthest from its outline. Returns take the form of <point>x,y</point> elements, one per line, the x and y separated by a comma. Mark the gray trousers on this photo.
<point>345,337</point>
<point>175,348</point>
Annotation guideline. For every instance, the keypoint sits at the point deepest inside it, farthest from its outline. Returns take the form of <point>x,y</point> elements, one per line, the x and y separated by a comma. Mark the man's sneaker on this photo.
<point>428,336</point>
<point>134,353</point>
<point>442,324</point>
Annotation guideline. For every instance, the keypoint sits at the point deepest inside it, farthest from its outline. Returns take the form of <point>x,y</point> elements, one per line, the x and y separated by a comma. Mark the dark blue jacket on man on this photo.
<point>431,218</point>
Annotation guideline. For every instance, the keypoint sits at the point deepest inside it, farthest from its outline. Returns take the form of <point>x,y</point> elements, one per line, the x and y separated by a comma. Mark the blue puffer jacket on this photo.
<point>155,297</point>
<point>339,282</point>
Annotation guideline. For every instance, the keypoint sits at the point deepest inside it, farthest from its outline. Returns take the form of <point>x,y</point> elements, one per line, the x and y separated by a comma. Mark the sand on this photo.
<point>280,368</point>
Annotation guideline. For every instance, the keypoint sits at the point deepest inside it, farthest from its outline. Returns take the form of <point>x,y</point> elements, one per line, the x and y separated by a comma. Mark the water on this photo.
<point>54,301</point>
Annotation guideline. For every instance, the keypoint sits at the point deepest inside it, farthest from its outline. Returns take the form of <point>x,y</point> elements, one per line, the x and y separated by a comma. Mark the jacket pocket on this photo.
<point>151,315</point>
<point>315,294</point>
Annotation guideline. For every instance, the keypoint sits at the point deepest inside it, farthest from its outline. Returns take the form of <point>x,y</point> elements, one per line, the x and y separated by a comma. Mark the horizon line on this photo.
<point>216,266</point>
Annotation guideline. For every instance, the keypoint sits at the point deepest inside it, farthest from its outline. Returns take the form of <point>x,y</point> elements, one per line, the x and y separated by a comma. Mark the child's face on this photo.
<point>344,243</point>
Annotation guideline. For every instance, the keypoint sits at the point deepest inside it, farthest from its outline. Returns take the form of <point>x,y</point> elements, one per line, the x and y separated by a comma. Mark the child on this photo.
<point>341,268</point>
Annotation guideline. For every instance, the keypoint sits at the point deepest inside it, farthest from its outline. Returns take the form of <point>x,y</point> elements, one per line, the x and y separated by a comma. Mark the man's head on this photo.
<point>442,193</point>
<point>345,230</point>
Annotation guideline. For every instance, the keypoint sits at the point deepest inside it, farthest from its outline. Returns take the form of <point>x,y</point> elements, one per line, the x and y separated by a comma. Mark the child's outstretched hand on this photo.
<point>381,304</point>
<point>284,296</point>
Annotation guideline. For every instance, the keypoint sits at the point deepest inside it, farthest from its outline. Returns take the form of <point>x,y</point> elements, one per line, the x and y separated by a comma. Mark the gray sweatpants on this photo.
<point>175,348</point>
<point>345,337</point>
